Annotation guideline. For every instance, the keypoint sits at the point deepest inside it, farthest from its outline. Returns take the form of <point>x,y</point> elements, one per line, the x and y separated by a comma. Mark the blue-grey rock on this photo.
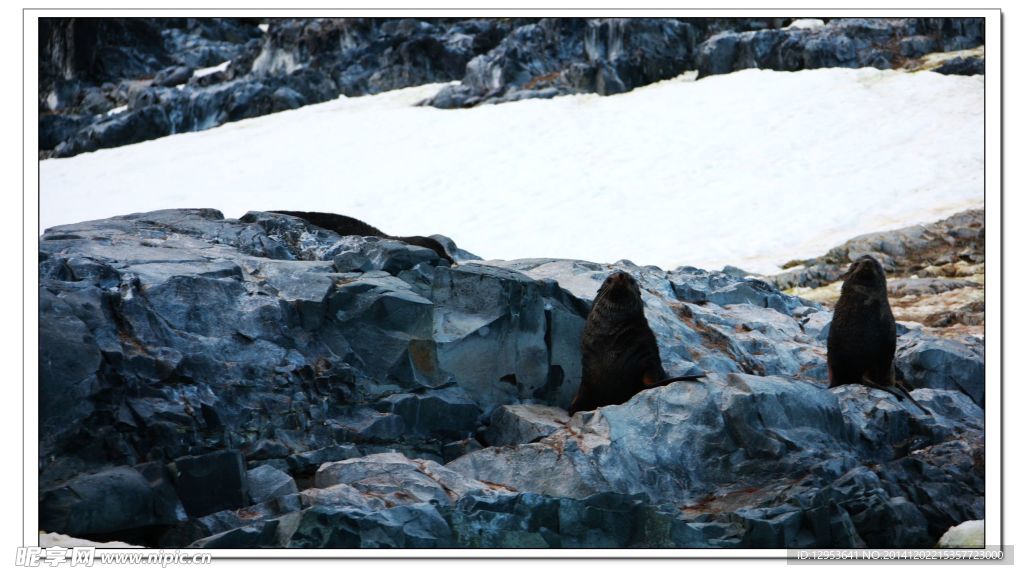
<point>940,363</point>
<point>273,533</point>
<point>842,42</point>
<point>447,412</point>
<point>88,66</point>
<point>197,339</point>
<point>569,55</point>
<point>267,482</point>
<point>414,526</point>
<point>517,424</point>
<point>285,98</point>
<point>249,520</point>
<point>172,76</point>
<point>365,424</point>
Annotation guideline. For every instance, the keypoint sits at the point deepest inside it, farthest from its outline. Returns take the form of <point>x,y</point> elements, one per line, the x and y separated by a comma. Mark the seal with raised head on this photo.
<point>346,226</point>
<point>862,337</point>
<point>620,352</point>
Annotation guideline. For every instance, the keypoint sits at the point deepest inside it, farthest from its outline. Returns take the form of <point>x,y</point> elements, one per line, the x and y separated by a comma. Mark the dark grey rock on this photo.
<point>173,76</point>
<point>266,449</point>
<point>447,412</point>
<point>69,358</point>
<point>114,500</point>
<point>359,254</point>
<point>285,98</point>
<point>308,462</point>
<point>212,482</point>
<point>962,66</point>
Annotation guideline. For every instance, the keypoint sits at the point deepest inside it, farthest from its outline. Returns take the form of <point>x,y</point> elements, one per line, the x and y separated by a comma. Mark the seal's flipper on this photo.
<point>904,389</point>
<point>672,380</point>
<point>868,382</point>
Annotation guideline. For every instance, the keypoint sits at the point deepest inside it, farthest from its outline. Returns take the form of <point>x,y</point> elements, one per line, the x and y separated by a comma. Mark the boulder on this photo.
<point>115,500</point>
<point>414,526</point>
<point>211,482</point>
<point>940,363</point>
<point>398,480</point>
<point>517,424</point>
<point>267,482</point>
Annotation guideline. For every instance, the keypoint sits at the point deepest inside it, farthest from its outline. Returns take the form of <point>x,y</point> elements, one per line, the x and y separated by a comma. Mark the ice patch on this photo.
<point>966,535</point>
<point>806,24</point>
<point>211,70</point>
<point>751,169</point>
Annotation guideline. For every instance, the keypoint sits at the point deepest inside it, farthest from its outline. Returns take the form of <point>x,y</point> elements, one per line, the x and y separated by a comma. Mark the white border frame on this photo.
<point>993,281</point>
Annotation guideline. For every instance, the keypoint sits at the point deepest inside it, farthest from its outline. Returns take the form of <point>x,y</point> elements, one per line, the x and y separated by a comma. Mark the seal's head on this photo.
<point>865,272</point>
<point>620,293</point>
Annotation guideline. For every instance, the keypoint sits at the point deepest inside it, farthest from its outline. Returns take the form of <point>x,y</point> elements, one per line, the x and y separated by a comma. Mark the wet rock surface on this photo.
<point>232,387</point>
<point>108,82</point>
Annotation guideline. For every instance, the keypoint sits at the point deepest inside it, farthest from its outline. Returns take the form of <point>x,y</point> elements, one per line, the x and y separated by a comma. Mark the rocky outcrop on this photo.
<point>883,43</point>
<point>936,273</point>
<point>112,82</point>
<point>572,55</point>
<point>236,383</point>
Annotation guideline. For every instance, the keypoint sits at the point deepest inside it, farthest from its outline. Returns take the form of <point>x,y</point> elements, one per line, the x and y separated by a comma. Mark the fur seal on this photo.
<point>862,337</point>
<point>346,226</point>
<point>620,352</point>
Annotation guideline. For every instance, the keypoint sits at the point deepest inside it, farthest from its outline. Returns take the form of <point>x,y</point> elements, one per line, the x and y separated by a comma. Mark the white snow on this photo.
<point>61,540</point>
<point>264,27</point>
<point>117,110</point>
<point>806,24</point>
<point>751,169</point>
<point>966,534</point>
<point>212,69</point>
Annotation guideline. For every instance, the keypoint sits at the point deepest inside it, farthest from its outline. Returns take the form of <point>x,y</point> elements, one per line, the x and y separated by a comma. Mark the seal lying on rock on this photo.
<point>862,338</point>
<point>346,226</point>
<point>620,352</point>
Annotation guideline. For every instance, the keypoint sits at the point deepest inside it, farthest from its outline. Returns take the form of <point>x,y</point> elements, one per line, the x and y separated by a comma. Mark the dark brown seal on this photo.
<point>620,352</point>
<point>346,226</point>
<point>862,337</point>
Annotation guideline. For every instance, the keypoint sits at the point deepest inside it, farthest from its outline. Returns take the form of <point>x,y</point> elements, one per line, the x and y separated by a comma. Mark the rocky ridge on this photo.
<point>359,392</point>
<point>936,273</point>
<point>112,82</point>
